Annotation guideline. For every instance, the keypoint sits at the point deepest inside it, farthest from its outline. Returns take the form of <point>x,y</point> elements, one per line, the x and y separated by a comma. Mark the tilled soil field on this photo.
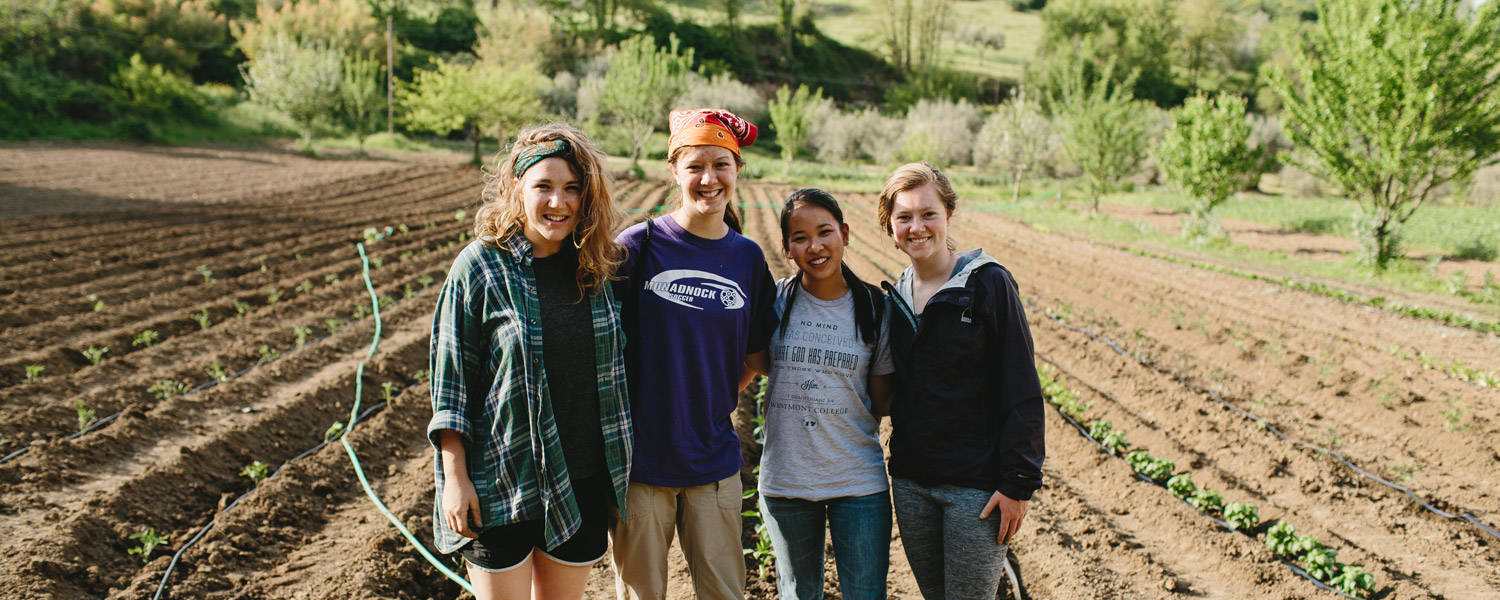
<point>261,318</point>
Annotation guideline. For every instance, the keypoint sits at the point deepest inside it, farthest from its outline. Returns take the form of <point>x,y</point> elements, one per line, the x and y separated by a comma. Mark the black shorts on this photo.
<point>503,547</point>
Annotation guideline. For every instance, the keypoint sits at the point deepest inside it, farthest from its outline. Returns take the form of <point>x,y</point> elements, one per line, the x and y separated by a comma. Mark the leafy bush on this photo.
<point>1016,139</point>
<point>152,94</point>
<point>723,91</point>
<point>1206,153</point>
<point>1354,581</point>
<point>1104,131</point>
<point>1321,563</point>
<point>843,137</point>
<point>932,83</point>
<point>1181,485</point>
<point>1479,248</point>
<point>1157,469</point>
<point>1281,538</point>
<point>791,117</point>
<point>1241,516</point>
<point>940,131</point>
<point>1206,500</point>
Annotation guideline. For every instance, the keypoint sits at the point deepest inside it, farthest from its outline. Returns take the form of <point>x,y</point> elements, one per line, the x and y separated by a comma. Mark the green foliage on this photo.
<point>1281,538</point>
<point>273,295</point>
<point>1112,439</point>
<point>931,82</point>
<point>388,390</point>
<point>1322,564</point>
<point>1157,469</point>
<point>98,304</point>
<point>145,339</point>
<point>1206,500</point>
<point>86,415</point>
<point>1124,43</point>
<point>300,79</point>
<point>791,117</point>
<point>362,97</point>
<point>1206,153</point>
<point>304,287</point>
<point>1104,131</point>
<point>257,472</point>
<point>150,93</point>
<point>1181,485</point>
<point>1354,581</point>
<point>333,325</point>
<point>1389,99</point>
<point>1454,416</point>
<point>1016,139</point>
<point>216,372</point>
<point>33,374</point>
<point>166,389</point>
<point>241,308</point>
<point>267,354</point>
<point>642,82</point>
<point>94,354</point>
<point>347,25</point>
<point>474,98</point>
<point>208,274</point>
<point>202,318</point>
<point>302,333</point>
<point>1241,516</point>
<point>149,541</point>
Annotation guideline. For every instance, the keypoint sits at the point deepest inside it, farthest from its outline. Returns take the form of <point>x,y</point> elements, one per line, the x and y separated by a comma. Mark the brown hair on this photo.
<point>503,214</point>
<point>911,176</point>
<point>731,216</point>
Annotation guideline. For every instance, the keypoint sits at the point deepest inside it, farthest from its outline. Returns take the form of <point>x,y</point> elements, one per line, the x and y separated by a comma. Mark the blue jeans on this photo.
<point>861,530</point>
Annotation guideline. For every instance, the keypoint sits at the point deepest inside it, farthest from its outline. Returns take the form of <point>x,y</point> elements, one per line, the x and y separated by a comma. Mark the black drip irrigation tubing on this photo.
<point>176,558</point>
<point>1261,421</point>
<point>1295,569</point>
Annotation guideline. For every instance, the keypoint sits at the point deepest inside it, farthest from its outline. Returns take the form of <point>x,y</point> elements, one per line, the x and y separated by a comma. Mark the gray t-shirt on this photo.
<point>821,440</point>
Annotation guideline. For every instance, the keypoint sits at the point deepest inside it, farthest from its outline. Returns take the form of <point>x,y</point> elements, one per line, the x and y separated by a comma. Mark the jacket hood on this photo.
<point>968,262</point>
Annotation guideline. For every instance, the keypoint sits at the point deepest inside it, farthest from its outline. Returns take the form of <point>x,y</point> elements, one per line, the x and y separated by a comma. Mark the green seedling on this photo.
<point>1281,538</point>
<point>273,295</point>
<point>302,333</point>
<point>256,471</point>
<point>86,415</point>
<point>407,292</point>
<point>298,256</point>
<point>149,541</point>
<point>145,339</point>
<point>304,287</point>
<point>95,354</point>
<point>388,391</point>
<point>241,308</point>
<point>404,256</point>
<point>1241,516</point>
<point>168,388</point>
<point>335,430</point>
<point>361,311</point>
<point>1304,545</point>
<point>267,354</point>
<point>216,372</point>
<point>4,441</point>
<point>333,325</point>
<point>98,304</point>
<point>460,214</point>
<point>425,280</point>
<point>386,301</point>
<point>1405,473</point>
<point>203,319</point>
<point>1114,442</point>
<point>377,261</point>
<point>208,275</point>
<point>331,278</point>
<point>1181,485</point>
<point>422,374</point>
<point>1098,429</point>
<point>429,224</point>
<point>1321,563</point>
<point>1455,414</point>
<point>262,260</point>
<point>1354,581</point>
<point>370,233</point>
<point>1157,469</point>
<point>402,228</point>
<point>34,374</point>
<point>1206,500</point>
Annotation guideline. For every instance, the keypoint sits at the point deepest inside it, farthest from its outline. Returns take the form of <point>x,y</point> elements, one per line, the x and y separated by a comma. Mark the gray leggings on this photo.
<point>953,553</point>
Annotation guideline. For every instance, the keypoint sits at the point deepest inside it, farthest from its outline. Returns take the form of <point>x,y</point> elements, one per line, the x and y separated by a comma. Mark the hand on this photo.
<point>1011,513</point>
<point>459,502</point>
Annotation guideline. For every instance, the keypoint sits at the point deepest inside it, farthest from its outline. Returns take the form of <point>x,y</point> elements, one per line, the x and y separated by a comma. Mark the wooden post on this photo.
<point>390,80</point>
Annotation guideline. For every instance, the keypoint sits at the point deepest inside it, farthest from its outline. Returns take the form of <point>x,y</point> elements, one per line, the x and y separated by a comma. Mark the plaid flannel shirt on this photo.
<point>489,386</point>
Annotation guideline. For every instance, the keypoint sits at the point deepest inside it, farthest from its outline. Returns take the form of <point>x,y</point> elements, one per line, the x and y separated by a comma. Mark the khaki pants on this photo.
<point>707,516</point>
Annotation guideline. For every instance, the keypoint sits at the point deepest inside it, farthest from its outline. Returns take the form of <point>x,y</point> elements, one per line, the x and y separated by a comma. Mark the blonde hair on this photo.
<point>503,214</point>
<point>911,176</point>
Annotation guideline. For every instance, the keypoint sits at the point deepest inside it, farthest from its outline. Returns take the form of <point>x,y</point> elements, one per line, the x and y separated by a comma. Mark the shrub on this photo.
<point>1207,154</point>
<point>842,137</point>
<point>1016,139</point>
<point>791,116</point>
<point>155,94</point>
<point>1479,248</point>
<point>301,79</point>
<point>940,132</point>
<point>723,91</point>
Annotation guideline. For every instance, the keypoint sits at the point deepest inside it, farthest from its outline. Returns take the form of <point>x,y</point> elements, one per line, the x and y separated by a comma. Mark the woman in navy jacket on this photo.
<point>967,419</point>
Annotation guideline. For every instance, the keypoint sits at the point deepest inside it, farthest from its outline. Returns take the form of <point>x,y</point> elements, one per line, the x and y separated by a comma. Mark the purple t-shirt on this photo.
<point>699,306</point>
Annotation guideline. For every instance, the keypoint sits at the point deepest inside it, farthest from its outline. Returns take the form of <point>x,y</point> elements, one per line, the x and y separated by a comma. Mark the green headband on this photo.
<point>535,153</point>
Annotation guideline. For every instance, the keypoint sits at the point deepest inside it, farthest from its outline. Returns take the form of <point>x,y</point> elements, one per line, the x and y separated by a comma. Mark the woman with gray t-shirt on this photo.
<point>827,391</point>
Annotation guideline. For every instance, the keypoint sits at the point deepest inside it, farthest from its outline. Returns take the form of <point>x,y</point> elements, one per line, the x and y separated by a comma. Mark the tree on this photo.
<point>1207,153</point>
<point>296,78</point>
<point>1016,139</point>
<point>913,30</point>
<point>1209,33</point>
<point>791,117</point>
<point>642,82</point>
<point>1104,130</point>
<point>1390,99</point>
<point>361,96</point>
<point>473,98</point>
<point>1137,36</point>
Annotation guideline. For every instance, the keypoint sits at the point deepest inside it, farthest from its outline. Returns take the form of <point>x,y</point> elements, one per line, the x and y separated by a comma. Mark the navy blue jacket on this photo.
<point>968,408</point>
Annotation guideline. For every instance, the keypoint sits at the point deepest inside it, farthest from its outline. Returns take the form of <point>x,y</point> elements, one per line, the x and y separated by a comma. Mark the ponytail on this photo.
<point>732,218</point>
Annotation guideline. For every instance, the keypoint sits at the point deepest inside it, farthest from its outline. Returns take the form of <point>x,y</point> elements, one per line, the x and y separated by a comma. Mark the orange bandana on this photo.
<point>709,127</point>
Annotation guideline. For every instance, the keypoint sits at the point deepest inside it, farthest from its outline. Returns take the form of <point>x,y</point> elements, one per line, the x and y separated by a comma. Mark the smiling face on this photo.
<point>707,176</point>
<point>550,190</point>
<point>815,240</point>
<point>919,223</point>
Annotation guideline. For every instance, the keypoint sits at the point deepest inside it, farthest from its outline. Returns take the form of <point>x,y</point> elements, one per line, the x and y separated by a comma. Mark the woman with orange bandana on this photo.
<point>697,299</point>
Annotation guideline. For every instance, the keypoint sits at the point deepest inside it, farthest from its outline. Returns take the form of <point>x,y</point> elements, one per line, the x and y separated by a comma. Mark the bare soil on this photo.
<point>1317,369</point>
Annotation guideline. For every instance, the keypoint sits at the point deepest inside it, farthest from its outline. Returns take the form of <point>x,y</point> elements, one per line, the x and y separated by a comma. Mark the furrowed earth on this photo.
<point>233,256</point>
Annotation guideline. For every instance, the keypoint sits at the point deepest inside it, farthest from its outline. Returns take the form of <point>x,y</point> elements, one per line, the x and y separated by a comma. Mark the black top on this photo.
<point>968,409</point>
<point>568,357</point>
